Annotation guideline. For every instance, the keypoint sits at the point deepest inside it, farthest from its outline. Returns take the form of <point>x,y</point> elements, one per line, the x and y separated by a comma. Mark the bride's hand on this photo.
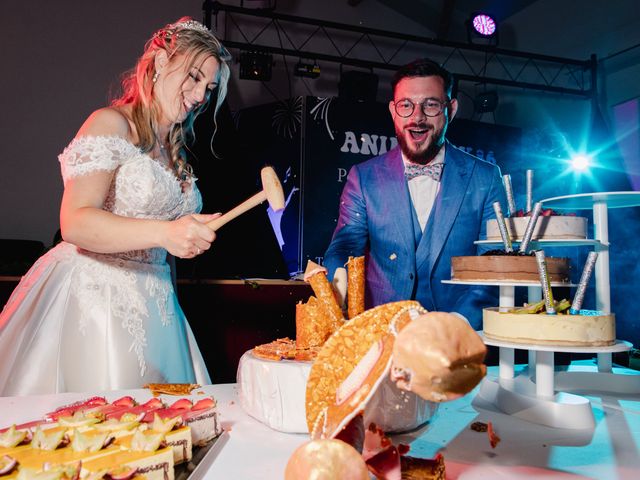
<point>189,236</point>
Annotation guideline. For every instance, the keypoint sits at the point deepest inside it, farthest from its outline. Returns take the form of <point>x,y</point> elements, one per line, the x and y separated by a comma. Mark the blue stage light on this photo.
<point>580,162</point>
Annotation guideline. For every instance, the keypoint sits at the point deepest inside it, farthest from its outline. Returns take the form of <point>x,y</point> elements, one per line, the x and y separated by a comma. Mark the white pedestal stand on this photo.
<point>534,395</point>
<point>538,394</point>
<point>600,203</point>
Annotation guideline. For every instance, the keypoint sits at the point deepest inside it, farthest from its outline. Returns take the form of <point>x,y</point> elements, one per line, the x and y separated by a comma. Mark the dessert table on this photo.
<point>250,450</point>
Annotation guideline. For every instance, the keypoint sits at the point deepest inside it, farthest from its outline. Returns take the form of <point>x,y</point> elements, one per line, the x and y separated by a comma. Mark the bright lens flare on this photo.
<point>580,163</point>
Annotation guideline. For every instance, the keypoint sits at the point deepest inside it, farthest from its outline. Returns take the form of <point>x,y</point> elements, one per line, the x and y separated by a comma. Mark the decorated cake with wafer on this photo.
<point>589,329</point>
<point>496,265</point>
<point>549,227</point>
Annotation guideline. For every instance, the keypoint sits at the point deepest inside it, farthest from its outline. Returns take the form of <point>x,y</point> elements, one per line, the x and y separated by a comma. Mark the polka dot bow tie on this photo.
<point>434,171</point>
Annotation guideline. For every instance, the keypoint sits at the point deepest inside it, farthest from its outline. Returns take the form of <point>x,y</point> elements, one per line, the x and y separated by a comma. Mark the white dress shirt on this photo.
<point>424,190</point>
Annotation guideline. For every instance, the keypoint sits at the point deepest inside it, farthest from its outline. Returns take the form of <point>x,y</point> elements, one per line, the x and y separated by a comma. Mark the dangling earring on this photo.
<point>155,77</point>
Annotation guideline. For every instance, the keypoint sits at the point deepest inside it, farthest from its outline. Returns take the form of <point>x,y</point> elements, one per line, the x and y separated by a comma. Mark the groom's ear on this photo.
<point>453,109</point>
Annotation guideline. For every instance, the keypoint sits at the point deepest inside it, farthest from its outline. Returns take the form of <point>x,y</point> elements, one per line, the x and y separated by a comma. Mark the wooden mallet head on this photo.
<point>271,191</point>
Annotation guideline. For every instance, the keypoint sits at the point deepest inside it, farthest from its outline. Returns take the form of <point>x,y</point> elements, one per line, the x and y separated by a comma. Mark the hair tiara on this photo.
<point>175,29</point>
<point>191,25</point>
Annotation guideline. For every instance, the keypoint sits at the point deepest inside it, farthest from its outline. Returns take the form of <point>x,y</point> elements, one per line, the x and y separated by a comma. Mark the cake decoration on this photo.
<point>502,226</point>
<point>529,190</point>
<point>547,293</point>
<point>317,277</point>
<point>578,298</point>
<point>356,284</point>
<point>171,388</point>
<point>508,190</point>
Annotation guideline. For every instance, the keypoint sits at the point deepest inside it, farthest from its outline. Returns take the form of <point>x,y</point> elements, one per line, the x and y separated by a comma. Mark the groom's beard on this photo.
<point>422,152</point>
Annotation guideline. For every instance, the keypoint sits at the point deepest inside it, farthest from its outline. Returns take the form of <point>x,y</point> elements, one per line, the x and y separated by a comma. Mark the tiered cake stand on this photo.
<point>539,393</point>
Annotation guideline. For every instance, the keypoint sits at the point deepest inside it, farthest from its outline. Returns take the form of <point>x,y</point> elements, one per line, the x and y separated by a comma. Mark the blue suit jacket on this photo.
<point>377,219</point>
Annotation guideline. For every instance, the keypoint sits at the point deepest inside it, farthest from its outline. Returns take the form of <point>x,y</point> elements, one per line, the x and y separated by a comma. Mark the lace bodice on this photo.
<point>141,187</point>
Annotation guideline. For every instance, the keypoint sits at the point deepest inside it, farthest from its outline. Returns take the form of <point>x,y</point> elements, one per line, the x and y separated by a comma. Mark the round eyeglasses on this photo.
<point>430,107</point>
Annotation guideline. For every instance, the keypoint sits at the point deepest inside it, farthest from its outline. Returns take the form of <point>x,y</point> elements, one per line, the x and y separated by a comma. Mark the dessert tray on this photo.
<point>202,459</point>
<point>24,410</point>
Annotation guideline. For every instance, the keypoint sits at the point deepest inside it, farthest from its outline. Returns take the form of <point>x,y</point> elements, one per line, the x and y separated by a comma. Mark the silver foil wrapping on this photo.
<point>578,298</point>
<point>528,233</point>
<point>508,190</point>
<point>502,226</point>
<point>529,190</point>
<point>547,294</point>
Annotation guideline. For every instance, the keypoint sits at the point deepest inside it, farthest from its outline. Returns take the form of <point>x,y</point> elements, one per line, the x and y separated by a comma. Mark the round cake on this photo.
<point>542,329</point>
<point>273,392</point>
<point>517,268</point>
<point>547,228</point>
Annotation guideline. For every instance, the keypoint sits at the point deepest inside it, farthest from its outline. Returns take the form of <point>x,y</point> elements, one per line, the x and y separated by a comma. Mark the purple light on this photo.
<point>484,24</point>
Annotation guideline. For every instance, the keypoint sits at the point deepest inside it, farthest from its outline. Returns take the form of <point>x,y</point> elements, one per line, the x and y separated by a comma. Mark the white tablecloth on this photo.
<point>254,451</point>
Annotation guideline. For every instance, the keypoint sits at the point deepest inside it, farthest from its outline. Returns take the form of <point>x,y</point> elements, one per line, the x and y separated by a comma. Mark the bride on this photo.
<point>99,312</point>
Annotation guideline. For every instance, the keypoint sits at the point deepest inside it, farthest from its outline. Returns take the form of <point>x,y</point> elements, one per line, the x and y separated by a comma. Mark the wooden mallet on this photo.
<point>271,191</point>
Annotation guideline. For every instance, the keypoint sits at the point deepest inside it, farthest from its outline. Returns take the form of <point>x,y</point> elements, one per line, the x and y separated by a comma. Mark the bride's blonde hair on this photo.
<point>193,40</point>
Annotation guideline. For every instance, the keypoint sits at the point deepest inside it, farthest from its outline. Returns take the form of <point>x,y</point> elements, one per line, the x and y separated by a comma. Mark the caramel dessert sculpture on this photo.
<point>436,355</point>
<point>439,358</point>
<point>322,314</point>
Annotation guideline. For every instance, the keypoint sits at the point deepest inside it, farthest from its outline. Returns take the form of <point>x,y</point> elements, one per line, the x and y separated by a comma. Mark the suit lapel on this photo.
<point>395,192</point>
<point>455,180</point>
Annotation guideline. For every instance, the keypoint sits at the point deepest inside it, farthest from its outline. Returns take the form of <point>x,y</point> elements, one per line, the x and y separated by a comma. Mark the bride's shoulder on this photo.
<point>108,121</point>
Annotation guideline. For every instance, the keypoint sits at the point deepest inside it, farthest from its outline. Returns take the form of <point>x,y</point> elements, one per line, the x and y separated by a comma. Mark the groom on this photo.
<point>412,209</point>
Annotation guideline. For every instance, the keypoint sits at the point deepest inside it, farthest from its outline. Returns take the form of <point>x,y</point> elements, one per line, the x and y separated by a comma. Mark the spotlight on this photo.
<point>482,28</point>
<point>484,24</point>
<point>486,102</point>
<point>580,162</point>
<point>255,66</point>
<point>309,70</point>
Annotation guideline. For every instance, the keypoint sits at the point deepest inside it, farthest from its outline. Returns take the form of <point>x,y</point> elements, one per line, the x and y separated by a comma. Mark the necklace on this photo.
<point>160,144</point>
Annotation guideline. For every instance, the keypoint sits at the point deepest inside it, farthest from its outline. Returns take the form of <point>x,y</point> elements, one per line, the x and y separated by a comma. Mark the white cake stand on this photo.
<point>599,202</point>
<point>533,395</point>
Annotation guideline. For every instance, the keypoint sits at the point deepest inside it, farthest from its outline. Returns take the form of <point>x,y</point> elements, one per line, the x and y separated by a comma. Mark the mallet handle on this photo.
<point>248,204</point>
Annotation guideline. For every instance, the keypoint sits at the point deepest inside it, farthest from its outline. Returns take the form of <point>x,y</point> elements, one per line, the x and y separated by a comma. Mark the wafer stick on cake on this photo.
<point>317,277</point>
<point>355,286</point>
<point>339,285</point>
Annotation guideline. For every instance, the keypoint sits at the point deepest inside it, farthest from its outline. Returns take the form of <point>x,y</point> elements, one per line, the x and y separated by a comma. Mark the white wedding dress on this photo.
<point>83,321</point>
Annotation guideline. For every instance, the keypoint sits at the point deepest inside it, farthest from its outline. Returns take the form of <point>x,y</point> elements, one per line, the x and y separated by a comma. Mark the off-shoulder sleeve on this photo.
<point>86,155</point>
